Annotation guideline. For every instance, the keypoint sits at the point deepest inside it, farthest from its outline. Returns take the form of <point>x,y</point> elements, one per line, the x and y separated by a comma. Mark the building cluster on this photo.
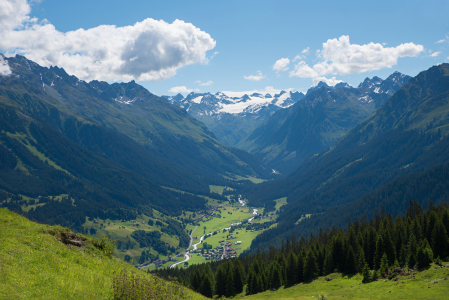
<point>206,214</point>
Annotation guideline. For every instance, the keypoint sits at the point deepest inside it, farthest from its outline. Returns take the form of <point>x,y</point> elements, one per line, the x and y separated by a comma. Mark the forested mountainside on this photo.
<point>408,134</point>
<point>291,135</point>
<point>384,244</point>
<point>165,132</point>
<point>86,155</point>
<point>231,118</point>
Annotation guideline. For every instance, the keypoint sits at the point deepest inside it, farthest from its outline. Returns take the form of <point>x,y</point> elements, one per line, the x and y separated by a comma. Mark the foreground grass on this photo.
<point>34,264</point>
<point>428,284</point>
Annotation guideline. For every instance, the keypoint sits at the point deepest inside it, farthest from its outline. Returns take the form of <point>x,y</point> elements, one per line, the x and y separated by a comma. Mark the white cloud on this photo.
<point>281,65</point>
<point>435,54</point>
<point>340,57</point>
<point>182,90</point>
<point>210,82</point>
<point>329,81</point>
<point>306,51</point>
<point>267,90</point>
<point>298,57</point>
<point>4,67</point>
<point>257,77</point>
<point>148,50</point>
<point>443,40</point>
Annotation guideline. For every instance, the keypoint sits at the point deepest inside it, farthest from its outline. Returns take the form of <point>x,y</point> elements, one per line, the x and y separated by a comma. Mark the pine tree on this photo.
<point>412,250</point>
<point>361,260</point>
<point>230,289</point>
<point>255,284</point>
<point>195,282</point>
<point>310,266</point>
<point>351,266</point>
<point>328,266</point>
<point>366,274</point>
<point>275,278</point>
<point>220,281</point>
<point>291,269</point>
<point>238,277</point>
<point>300,268</point>
<point>379,252</point>
<point>249,280</point>
<point>440,243</point>
<point>424,256</point>
<point>207,288</point>
<point>383,264</point>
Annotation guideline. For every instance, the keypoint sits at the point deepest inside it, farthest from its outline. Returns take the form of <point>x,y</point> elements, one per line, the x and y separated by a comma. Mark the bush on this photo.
<point>133,286</point>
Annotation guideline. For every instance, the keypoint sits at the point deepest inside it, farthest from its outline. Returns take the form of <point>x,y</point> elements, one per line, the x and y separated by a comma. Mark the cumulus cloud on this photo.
<point>435,54</point>
<point>281,65</point>
<point>182,90</point>
<point>4,67</point>
<point>148,50</point>
<point>306,51</point>
<point>257,77</point>
<point>340,57</point>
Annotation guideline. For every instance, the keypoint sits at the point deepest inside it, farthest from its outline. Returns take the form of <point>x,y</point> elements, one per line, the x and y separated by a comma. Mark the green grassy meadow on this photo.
<point>34,264</point>
<point>428,284</point>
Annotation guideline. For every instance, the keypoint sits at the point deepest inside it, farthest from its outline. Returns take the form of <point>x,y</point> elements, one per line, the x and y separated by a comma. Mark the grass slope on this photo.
<point>35,265</point>
<point>428,284</point>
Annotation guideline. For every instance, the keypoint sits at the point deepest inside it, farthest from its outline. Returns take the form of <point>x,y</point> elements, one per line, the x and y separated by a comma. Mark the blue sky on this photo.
<point>231,41</point>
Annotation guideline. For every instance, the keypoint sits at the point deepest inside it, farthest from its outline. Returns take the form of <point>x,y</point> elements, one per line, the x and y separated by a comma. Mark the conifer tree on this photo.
<point>310,266</point>
<point>207,288</point>
<point>328,266</point>
<point>255,284</point>
<point>440,243</point>
<point>195,282</point>
<point>383,264</point>
<point>275,278</point>
<point>291,269</point>
<point>238,277</point>
<point>424,256</point>
<point>366,274</point>
<point>229,289</point>
<point>300,268</point>
<point>351,266</point>
<point>220,281</point>
<point>249,281</point>
<point>379,252</point>
<point>361,260</point>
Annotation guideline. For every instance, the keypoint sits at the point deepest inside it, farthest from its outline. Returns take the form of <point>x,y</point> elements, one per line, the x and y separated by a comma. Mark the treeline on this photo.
<point>383,244</point>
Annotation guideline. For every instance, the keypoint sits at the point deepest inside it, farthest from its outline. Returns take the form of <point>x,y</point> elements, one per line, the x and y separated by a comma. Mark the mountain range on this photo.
<point>231,118</point>
<point>398,154</point>
<point>110,148</point>
<point>315,123</point>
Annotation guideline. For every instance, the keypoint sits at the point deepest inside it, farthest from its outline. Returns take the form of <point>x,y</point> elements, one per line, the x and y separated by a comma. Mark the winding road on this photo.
<point>195,246</point>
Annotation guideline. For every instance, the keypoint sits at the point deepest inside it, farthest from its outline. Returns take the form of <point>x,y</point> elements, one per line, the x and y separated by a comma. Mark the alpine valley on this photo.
<point>227,194</point>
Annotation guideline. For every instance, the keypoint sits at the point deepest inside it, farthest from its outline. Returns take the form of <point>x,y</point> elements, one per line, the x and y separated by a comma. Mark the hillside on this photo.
<point>49,262</point>
<point>411,137</point>
<point>83,111</point>
<point>326,114</point>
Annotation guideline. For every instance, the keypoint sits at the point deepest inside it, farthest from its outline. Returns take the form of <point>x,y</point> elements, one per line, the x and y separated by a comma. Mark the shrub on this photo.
<point>134,286</point>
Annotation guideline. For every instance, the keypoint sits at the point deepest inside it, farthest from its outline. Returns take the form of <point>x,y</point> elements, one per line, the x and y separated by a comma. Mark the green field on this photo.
<point>252,179</point>
<point>280,202</point>
<point>35,264</point>
<point>428,284</point>
<point>216,189</point>
<point>114,227</point>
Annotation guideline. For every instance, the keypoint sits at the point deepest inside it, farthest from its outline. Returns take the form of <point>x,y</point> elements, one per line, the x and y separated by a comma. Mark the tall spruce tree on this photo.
<point>291,269</point>
<point>351,265</point>
<point>440,243</point>
<point>310,266</point>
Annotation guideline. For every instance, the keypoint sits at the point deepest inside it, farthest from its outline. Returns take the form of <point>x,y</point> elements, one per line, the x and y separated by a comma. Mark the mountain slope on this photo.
<point>291,135</point>
<point>164,130</point>
<point>231,118</point>
<point>411,137</point>
<point>38,262</point>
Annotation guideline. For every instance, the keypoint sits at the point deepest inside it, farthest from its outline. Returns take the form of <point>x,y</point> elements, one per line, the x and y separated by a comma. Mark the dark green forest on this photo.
<point>382,247</point>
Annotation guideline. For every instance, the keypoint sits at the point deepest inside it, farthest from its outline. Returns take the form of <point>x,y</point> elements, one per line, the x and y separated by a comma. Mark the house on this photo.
<point>237,243</point>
